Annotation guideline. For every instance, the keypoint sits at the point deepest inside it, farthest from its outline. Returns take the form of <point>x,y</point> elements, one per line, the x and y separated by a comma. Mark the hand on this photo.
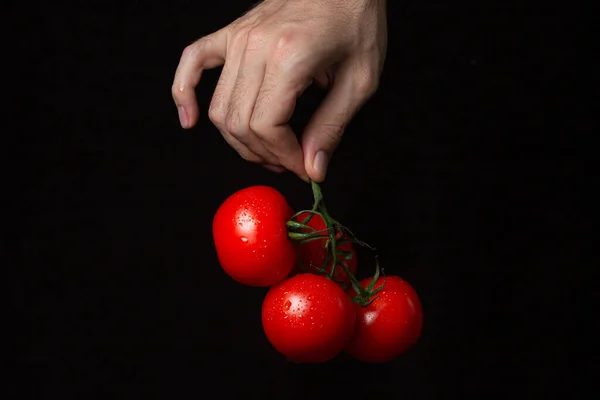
<point>269,57</point>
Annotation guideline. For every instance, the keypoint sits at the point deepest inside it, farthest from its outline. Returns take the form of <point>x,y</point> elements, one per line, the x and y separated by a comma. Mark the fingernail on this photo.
<point>320,163</point>
<point>183,117</point>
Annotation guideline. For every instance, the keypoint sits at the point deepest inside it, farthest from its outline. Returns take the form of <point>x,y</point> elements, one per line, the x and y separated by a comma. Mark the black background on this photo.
<point>460,170</point>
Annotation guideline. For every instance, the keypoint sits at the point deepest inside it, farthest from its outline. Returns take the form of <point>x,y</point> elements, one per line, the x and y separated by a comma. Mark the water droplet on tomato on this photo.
<point>309,298</point>
<point>244,239</point>
<point>370,317</point>
<point>287,305</point>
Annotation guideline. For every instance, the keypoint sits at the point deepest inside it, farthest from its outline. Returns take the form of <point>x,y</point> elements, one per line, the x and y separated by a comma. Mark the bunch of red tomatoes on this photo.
<point>315,308</point>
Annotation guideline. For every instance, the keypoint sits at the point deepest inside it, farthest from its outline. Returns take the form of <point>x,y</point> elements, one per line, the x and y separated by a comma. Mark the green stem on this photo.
<point>300,233</point>
<point>330,224</point>
<point>365,296</point>
<point>317,194</point>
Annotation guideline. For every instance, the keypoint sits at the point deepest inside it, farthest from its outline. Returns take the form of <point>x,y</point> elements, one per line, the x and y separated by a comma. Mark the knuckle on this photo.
<point>285,40</point>
<point>216,115</point>
<point>367,82</point>
<point>286,48</point>
<point>256,124</point>
<point>240,35</point>
<point>195,49</point>
<point>232,126</point>
<point>188,51</point>
<point>192,50</point>
<point>235,125</point>
<point>175,91</point>
<point>256,40</point>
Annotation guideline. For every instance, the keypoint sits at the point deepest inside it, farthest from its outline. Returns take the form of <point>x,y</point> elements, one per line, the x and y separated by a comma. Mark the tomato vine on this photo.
<point>334,234</point>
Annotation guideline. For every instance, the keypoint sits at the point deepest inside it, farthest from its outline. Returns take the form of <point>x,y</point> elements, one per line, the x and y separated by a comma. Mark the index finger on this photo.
<point>205,53</point>
<point>275,105</point>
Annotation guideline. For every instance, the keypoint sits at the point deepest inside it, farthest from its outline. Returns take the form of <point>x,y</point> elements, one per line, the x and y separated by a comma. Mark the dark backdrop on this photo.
<point>450,170</point>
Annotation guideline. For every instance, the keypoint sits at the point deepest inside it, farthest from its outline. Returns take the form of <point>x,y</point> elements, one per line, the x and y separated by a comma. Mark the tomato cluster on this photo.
<point>315,308</point>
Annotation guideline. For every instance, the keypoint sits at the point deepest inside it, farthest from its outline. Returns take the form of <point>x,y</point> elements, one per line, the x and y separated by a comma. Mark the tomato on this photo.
<point>308,318</point>
<point>312,254</point>
<point>251,238</point>
<point>388,326</point>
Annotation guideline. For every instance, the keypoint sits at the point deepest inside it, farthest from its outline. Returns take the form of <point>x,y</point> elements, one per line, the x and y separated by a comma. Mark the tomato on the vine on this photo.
<point>308,318</point>
<point>390,324</point>
<point>312,254</point>
<point>251,237</point>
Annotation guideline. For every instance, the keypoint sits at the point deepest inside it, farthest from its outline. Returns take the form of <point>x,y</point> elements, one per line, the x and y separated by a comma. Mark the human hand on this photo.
<point>269,57</point>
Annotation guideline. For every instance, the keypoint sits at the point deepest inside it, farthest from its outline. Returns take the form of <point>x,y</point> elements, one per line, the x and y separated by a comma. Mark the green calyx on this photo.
<point>365,296</point>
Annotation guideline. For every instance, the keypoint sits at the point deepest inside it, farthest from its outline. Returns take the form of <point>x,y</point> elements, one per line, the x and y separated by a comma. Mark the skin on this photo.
<point>269,57</point>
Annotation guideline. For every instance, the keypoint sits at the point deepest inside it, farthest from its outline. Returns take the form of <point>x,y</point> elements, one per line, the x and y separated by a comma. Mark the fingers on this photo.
<point>350,90</point>
<point>219,104</point>
<point>206,53</point>
<point>274,168</point>
<point>274,106</point>
<point>256,97</point>
<point>243,98</point>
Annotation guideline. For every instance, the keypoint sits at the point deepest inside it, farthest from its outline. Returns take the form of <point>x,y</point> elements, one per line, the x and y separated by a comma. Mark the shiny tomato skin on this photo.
<point>390,325</point>
<point>251,238</point>
<point>308,318</point>
<point>315,251</point>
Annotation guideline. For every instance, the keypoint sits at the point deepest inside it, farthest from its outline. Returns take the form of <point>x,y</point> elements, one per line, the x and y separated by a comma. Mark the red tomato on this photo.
<point>251,237</point>
<point>390,325</point>
<point>315,251</point>
<point>308,318</point>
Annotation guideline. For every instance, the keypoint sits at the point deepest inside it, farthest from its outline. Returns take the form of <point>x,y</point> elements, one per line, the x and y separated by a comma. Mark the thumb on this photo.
<point>326,127</point>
